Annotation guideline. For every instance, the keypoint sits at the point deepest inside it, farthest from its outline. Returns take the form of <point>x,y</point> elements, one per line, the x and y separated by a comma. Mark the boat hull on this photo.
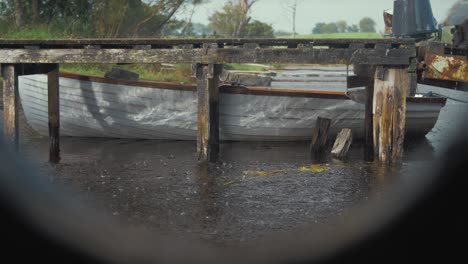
<point>97,108</point>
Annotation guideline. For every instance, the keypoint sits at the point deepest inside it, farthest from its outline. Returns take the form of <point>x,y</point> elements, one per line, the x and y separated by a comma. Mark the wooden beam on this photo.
<point>113,56</point>
<point>390,91</point>
<point>307,56</point>
<point>54,114</point>
<point>155,43</point>
<point>208,111</point>
<point>10,103</point>
<point>210,56</point>
<point>383,57</point>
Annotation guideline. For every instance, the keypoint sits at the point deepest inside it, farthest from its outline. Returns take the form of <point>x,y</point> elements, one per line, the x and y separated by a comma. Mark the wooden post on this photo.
<point>389,109</point>
<point>343,143</point>
<point>54,114</point>
<point>208,111</point>
<point>11,103</point>
<point>320,137</point>
<point>412,78</point>
<point>369,125</point>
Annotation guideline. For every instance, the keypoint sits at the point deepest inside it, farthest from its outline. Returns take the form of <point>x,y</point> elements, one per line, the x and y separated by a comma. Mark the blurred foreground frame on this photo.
<point>415,220</point>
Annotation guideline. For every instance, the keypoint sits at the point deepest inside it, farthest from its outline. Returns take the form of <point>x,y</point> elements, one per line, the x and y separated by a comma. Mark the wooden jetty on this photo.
<point>386,101</point>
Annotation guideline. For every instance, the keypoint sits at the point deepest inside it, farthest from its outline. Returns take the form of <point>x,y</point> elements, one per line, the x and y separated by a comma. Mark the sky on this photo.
<point>311,12</point>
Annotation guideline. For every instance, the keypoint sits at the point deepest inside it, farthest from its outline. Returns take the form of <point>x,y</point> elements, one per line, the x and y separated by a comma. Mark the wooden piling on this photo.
<point>54,114</point>
<point>11,103</point>
<point>390,92</point>
<point>412,78</point>
<point>343,143</point>
<point>320,137</point>
<point>369,125</point>
<point>208,111</point>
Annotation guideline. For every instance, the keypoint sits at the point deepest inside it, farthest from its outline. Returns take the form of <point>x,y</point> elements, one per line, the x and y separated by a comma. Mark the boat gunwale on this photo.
<point>228,89</point>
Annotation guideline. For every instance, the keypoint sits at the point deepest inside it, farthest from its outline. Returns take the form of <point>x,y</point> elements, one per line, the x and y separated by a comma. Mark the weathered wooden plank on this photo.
<point>383,57</point>
<point>399,116</point>
<point>207,56</point>
<point>54,114</point>
<point>311,56</point>
<point>208,111</point>
<point>343,143</point>
<point>320,137</point>
<point>10,103</point>
<point>101,56</point>
<point>129,43</point>
<point>390,90</point>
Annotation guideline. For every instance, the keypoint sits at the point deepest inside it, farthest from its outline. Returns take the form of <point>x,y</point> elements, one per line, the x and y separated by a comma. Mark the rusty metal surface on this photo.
<point>446,67</point>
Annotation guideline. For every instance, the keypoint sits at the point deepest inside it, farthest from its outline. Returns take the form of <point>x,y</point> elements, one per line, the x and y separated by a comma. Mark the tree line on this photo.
<point>97,18</point>
<point>365,25</point>
<point>149,18</point>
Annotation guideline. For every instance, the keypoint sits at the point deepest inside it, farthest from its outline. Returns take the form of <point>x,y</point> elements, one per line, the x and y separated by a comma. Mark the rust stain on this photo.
<point>446,67</point>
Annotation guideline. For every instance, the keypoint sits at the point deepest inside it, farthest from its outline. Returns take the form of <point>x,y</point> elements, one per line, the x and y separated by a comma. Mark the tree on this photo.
<point>258,29</point>
<point>96,18</point>
<point>201,30</point>
<point>318,29</point>
<point>342,26</point>
<point>19,13</point>
<point>109,16</point>
<point>367,24</point>
<point>244,18</point>
<point>292,6</point>
<point>35,10</point>
<point>353,28</point>
<point>325,28</point>
<point>162,9</point>
<point>188,24</point>
<point>232,19</point>
<point>282,33</point>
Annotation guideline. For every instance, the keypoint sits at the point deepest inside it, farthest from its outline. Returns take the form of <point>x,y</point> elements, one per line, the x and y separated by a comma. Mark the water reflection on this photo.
<point>208,209</point>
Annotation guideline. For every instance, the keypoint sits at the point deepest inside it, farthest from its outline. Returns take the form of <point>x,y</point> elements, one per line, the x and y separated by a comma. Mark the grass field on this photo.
<point>353,35</point>
<point>40,32</point>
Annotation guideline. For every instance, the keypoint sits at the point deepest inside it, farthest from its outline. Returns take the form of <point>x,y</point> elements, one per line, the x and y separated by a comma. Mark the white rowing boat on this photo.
<point>99,107</point>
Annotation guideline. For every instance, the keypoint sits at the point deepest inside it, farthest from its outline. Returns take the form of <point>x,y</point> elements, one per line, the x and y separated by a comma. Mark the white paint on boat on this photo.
<point>97,109</point>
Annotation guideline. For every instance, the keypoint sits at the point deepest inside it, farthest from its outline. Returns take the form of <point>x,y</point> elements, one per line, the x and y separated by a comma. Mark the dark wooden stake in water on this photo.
<point>390,91</point>
<point>369,124</point>
<point>54,113</point>
<point>343,143</point>
<point>320,137</point>
<point>11,103</point>
<point>208,111</point>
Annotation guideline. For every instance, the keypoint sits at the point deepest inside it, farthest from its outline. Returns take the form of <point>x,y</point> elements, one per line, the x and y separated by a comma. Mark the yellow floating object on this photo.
<point>262,173</point>
<point>315,168</point>
<point>231,183</point>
